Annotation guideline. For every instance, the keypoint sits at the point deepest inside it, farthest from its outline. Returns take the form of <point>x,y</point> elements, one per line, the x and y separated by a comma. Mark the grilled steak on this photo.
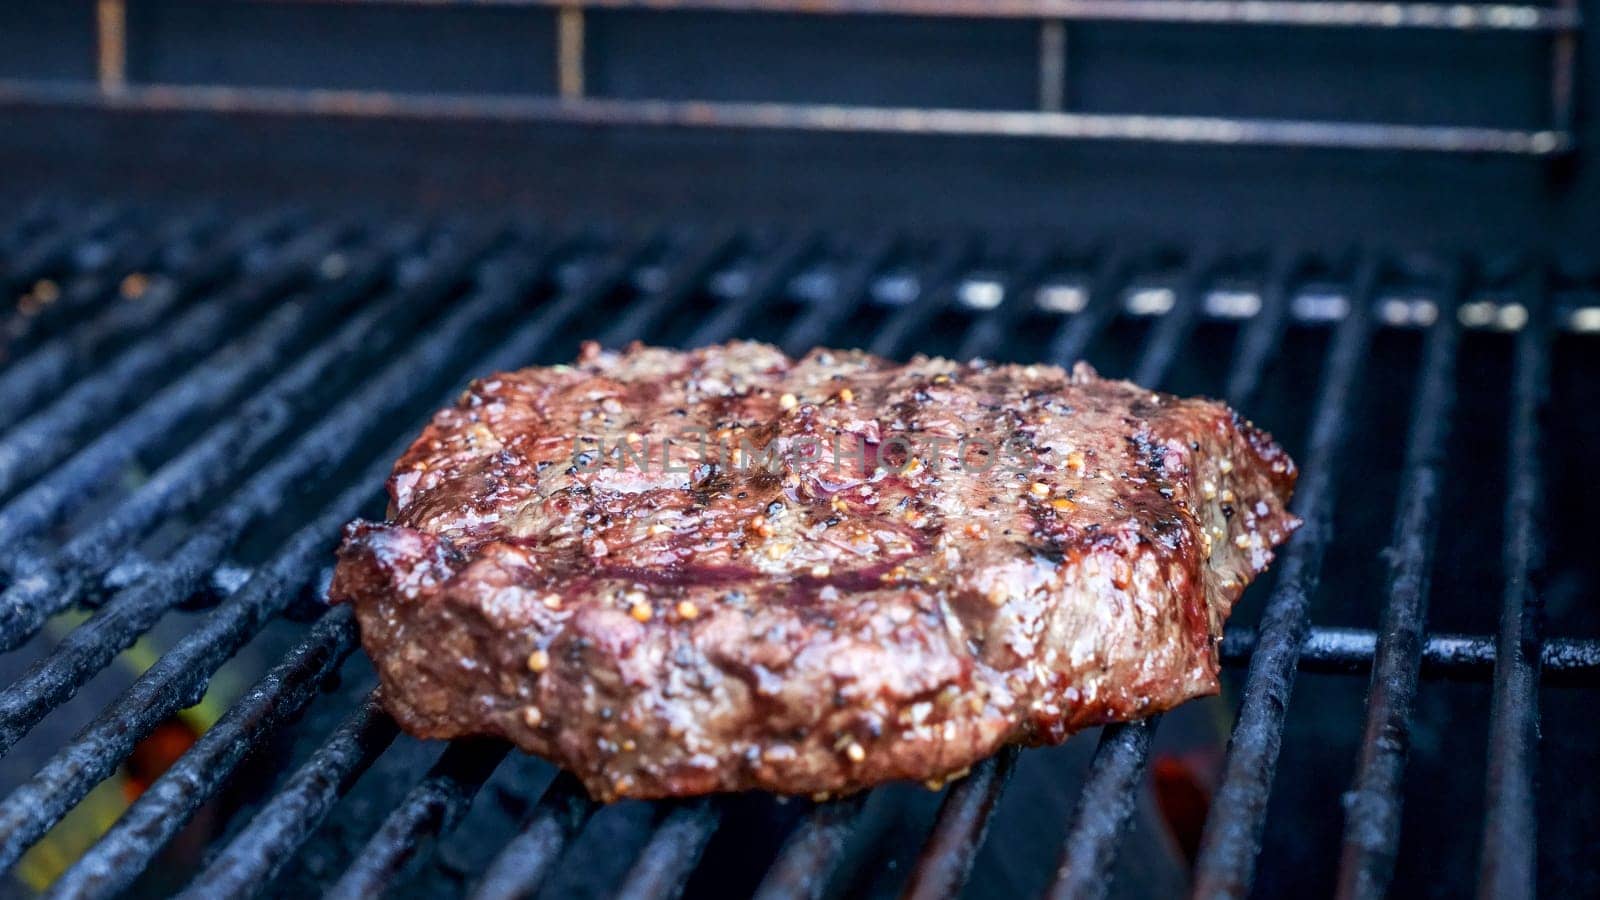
<point>854,571</point>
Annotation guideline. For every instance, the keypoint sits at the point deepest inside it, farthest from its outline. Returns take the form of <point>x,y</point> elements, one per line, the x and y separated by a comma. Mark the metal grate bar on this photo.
<point>813,327</point>
<point>1507,867</point>
<point>262,420</point>
<point>433,807</point>
<point>335,625</point>
<point>1105,806</point>
<point>643,316</point>
<point>47,437</point>
<point>254,856</point>
<point>765,285</point>
<point>521,867</point>
<point>46,254</point>
<point>213,458</point>
<point>84,269</point>
<point>672,852</point>
<point>181,675</point>
<point>127,849</point>
<point>1372,806</point>
<point>811,854</point>
<point>529,340</point>
<point>934,295</point>
<point>206,464</point>
<point>31,378</point>
<point>958,833</point>
<point>1232,834</point>
<point>1172,328</point>
<point>1078,331</point>
<point>988,334</point>
<point>178,679</point>
<point>1349,651</point>
<point>1260,343</point>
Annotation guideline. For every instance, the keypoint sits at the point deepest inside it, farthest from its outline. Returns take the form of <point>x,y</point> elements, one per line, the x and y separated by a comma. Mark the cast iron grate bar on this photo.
<point>111,865</point>
<point>1510,821</point>
<point>770,280</point>
<point>641,317</point>
<point>563,809</point>
<point>334,635</point>
<point>210,461</point>
<point>1564,662</point>
<point>1372,807</point>
<point>1232,835</point>
<point>933,295</point>
<point>248,863</point>
<point>1102,812</point>
<point>48,437</point>
<point>811,853</point>
<point>205,466</point>
<point>813,327</point>
<point>1077,332</point>
<point>988,334</point>
<point>35,265</point>
<point>959,830</point>
<point>182,674</point>
<point>672,851</point>
<point>434,806</point>
<point>27,381</point>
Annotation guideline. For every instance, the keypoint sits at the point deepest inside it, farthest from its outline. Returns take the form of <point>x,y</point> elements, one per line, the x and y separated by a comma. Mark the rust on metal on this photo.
<point>111,44</point>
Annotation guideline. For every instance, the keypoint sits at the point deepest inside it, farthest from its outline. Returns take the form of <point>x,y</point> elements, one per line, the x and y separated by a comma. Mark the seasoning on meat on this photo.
<point>675,573</point>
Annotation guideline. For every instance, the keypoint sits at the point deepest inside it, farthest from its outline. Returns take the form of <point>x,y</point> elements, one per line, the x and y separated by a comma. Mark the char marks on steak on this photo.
<point>867,571</point>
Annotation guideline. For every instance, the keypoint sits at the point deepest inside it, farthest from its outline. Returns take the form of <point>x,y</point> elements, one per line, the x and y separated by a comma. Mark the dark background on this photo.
<point>1327,198</point>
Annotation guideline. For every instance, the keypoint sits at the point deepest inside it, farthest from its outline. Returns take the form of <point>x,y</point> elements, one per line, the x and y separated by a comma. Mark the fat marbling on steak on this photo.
<point>854,571</point>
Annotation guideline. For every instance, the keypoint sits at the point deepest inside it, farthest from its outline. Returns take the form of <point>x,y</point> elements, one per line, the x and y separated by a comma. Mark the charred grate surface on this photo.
<point>193,402</point>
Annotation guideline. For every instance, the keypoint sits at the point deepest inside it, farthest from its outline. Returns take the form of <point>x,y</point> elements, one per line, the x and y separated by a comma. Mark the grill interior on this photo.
<point>193,402</point>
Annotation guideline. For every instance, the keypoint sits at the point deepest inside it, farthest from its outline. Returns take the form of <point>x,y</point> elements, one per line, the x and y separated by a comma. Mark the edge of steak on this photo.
<point>866,571</point>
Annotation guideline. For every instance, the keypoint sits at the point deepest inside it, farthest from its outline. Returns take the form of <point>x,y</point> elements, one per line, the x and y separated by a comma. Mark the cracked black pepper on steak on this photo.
<point>862,571</point>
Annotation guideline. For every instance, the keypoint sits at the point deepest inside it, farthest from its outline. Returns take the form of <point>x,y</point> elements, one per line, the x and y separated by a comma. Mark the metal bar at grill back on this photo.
<point>817,117</point>
<point>1281,13</point>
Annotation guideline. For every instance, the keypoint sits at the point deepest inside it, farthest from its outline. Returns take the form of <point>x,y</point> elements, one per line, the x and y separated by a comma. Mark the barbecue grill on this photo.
<point>195,396</point>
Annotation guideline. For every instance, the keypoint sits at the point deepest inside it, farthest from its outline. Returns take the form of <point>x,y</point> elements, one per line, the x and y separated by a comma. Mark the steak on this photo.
<point>675,573</point>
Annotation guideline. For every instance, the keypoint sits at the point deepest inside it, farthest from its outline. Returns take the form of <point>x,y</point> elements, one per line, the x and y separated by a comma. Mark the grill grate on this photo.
<point>249,368</point>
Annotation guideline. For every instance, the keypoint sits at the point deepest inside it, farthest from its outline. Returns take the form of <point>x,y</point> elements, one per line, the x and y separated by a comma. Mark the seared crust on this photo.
<point>699,622</point>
